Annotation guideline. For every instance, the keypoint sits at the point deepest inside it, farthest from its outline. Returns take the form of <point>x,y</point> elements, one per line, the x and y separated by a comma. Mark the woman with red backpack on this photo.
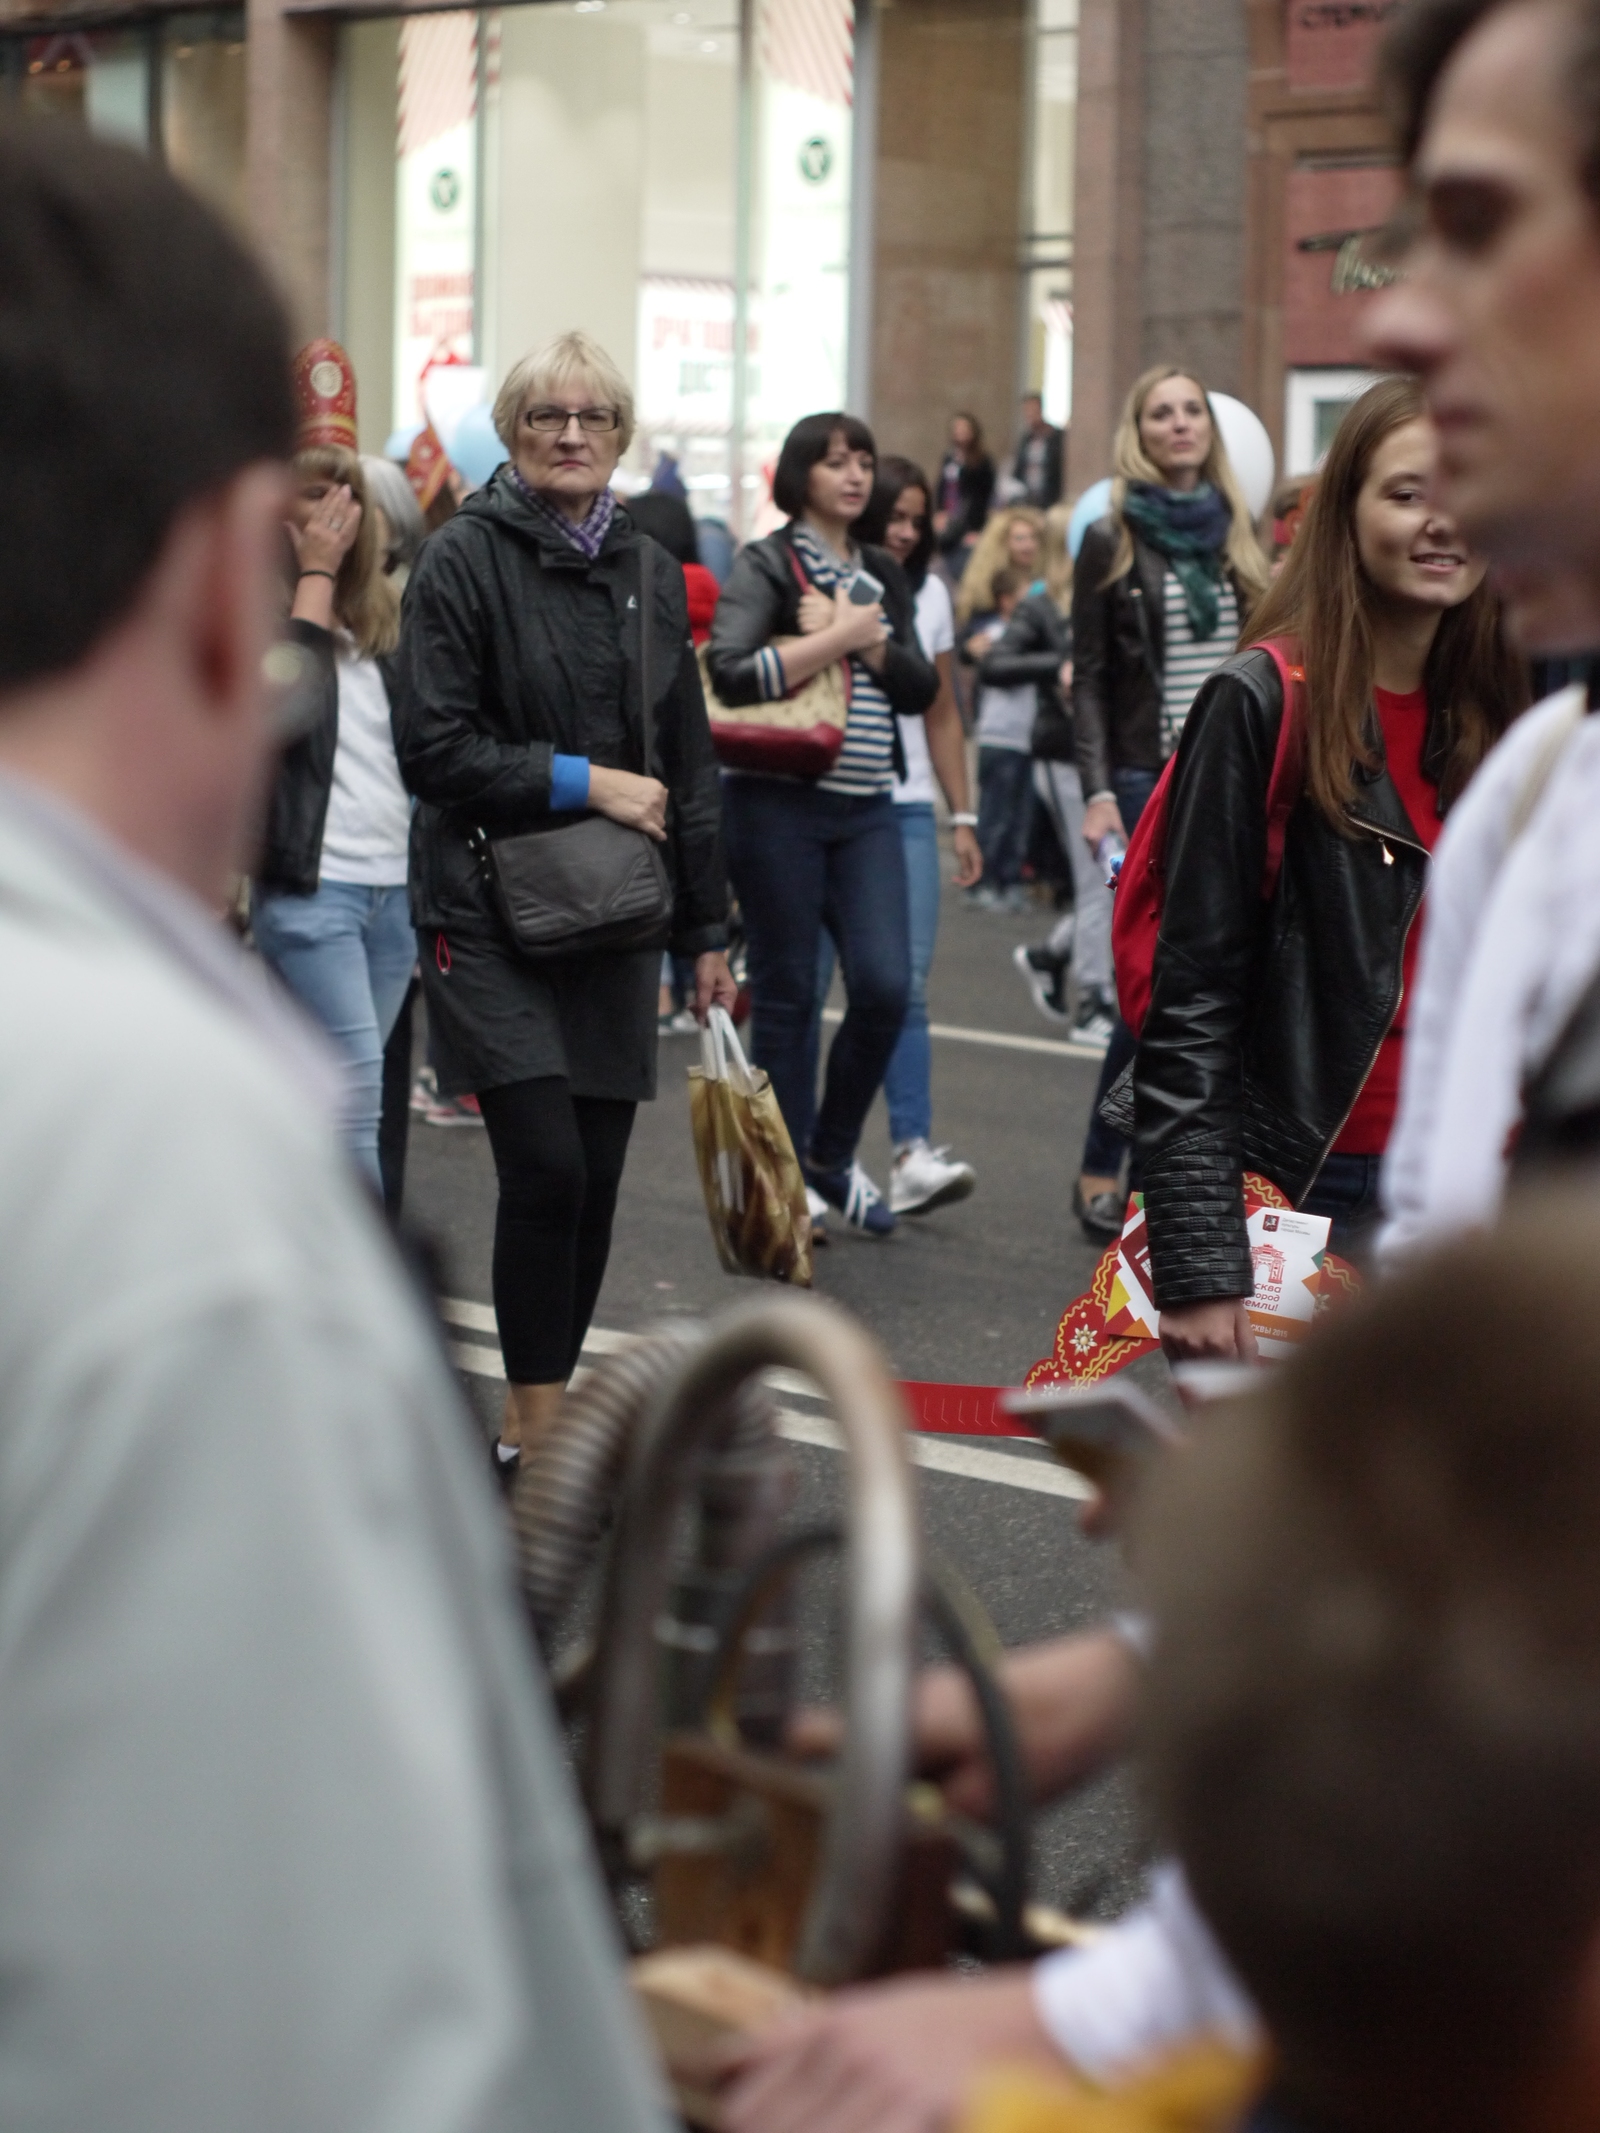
<point>1273,1037</point>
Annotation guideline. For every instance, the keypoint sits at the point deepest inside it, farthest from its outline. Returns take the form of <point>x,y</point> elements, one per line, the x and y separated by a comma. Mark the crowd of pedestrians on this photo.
<point>288,1836</point>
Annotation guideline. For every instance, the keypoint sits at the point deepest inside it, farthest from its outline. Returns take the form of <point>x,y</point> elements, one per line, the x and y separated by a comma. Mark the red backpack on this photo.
<point>1142,884</point>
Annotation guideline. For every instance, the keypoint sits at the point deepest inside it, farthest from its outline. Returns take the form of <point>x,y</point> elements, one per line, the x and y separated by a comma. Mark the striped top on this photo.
<point>1189,661</point>
<point>866,761</point>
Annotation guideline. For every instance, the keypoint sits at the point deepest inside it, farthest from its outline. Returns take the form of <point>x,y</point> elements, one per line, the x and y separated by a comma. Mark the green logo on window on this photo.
<point>816,159</point>
<point>445,190</point>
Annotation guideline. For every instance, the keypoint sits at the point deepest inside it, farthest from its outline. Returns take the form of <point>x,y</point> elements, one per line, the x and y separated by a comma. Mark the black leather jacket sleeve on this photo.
<point>1188,1076</point>
<point>1092,659</point>
<point>446,758</point>
<point>1032,646</point>
<point>761,600</point>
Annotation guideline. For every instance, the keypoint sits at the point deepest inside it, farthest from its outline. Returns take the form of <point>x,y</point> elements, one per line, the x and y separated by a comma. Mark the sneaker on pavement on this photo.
<point>852,1194</point>
<point>436,1110</point>
<point>817,1208</point>
<point>1094,1023</point>
<point>680,1024</point>
<point>1045,975</point>
<point>924,1178</point>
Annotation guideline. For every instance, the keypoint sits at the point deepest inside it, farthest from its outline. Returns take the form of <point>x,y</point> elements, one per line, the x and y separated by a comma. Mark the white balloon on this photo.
<point>1249,447</point>
<point>1093,504</point>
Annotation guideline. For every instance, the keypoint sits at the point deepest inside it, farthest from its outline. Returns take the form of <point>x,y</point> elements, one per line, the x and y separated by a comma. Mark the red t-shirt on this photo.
<point>1405,722</point>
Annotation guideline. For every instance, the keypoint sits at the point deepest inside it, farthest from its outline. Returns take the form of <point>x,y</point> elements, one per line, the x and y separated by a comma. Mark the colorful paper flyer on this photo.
<point>1286,1252</point>
<point>1130,1312</point>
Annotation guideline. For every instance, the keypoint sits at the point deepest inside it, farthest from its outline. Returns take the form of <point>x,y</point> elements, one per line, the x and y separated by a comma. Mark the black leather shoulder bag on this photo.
<point>593,887</point>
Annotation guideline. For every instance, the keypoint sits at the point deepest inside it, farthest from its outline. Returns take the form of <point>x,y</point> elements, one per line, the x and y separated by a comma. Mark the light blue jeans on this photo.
<point>908,1078</point>
<point>346,953</point>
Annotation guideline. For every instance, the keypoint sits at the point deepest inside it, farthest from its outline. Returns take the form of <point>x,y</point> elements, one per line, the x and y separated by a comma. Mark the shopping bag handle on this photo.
<point>720,1041</point>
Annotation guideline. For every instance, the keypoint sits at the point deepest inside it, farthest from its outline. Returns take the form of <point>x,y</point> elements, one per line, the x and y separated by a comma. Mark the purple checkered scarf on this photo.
<point>588,534</point>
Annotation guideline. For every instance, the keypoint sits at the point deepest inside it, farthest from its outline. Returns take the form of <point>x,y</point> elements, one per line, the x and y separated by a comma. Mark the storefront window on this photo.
<point>1047,246</point>
<point>176,85</point>
<point>581,165</point>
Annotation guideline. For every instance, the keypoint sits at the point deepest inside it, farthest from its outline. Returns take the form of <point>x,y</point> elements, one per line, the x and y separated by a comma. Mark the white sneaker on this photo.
<point>924,1178</point>
<point>817,1208</point>
<point>1094,1025</point>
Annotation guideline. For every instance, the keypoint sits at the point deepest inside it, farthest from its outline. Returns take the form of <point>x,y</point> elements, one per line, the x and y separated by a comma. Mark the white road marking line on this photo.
<point>999,1040</point>
<point>970,1461</point>
<point>1011,1470</point>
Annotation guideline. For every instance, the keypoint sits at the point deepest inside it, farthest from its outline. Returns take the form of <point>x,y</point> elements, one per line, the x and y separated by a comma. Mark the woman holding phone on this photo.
<point>807,852</point>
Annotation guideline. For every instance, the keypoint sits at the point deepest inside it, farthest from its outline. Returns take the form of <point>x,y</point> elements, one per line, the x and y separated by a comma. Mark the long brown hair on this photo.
<point>1474,680</point>
<point>364,599</point>
<point>1131,462</point>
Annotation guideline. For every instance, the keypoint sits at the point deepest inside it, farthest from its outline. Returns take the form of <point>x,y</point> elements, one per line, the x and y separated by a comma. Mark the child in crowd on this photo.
<point>1005,757</point>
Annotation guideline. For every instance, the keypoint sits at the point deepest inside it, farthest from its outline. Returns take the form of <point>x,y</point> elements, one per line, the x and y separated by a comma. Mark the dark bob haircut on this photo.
<point>895,476</point>
<point>805,445</point>
<point>1420,46</point>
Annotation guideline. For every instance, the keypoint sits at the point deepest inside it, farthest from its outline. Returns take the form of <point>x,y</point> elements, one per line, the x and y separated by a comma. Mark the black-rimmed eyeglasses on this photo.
<point>551,421</point>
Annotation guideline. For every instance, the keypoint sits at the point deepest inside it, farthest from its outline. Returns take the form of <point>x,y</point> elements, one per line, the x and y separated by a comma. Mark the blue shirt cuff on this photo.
<point>569,783</point>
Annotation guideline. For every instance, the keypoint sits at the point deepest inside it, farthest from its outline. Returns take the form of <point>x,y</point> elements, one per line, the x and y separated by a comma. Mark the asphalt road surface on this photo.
<point>968,1295</point>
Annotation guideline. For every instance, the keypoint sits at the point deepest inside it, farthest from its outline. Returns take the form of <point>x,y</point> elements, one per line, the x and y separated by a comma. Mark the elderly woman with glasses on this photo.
<point>519,708</point>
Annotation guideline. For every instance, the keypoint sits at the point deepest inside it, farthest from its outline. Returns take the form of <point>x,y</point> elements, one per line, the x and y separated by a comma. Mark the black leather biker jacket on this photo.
<point>1265,1018</point>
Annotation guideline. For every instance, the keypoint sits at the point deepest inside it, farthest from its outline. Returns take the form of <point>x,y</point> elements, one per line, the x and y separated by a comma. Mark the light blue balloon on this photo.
<point>400,442</point>
<point>1092,504</point>
<point>476,448</point>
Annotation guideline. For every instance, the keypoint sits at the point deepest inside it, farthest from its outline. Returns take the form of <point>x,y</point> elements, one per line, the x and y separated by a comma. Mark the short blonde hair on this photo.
<point>569,357</point>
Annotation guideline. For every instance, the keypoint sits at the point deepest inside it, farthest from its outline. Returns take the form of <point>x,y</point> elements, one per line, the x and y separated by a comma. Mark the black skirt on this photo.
<point>496,1018</point>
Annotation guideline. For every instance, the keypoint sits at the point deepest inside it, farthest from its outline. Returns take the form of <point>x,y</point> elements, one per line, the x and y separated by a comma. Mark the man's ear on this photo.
<point>222,582</point>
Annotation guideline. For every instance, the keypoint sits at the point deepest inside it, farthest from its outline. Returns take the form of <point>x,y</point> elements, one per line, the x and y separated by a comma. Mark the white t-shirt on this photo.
<point>1511,941</point>
<point>369,813</point>
<point>936,633</point>
<point>1153,1983</point>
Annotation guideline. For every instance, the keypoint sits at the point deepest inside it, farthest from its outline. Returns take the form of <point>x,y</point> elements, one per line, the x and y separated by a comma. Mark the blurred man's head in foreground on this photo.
<point>145,415</point>
<point>1497,104</point>
<point>1375,1701</point>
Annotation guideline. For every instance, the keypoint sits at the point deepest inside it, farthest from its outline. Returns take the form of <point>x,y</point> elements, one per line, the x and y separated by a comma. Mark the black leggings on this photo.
<point>559,1161</point>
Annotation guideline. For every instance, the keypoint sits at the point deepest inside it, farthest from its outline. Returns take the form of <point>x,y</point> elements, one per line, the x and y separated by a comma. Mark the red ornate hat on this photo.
<point>325,393</point>
<point>427,466</point>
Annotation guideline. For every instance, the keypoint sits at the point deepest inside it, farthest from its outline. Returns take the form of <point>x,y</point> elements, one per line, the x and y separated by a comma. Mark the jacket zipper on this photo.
<point>1385,839</point>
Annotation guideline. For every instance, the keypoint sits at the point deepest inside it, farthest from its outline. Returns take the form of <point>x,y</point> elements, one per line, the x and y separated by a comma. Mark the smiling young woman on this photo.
<point>1275,1030</point>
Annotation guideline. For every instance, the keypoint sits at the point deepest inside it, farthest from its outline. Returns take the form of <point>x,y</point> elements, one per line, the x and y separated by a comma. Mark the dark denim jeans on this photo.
<point>1346,1189</point>
<point>1104,1149</point>
<point>801,859</point>
<point>1005,808</point>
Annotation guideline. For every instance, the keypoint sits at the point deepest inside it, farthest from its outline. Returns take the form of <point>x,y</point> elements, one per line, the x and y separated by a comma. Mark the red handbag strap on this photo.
<point>1288,778</point>
<point>798,568</point>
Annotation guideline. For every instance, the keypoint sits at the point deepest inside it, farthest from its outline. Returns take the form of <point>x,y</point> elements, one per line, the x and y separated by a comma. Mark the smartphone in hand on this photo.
<point>1100,1431</point>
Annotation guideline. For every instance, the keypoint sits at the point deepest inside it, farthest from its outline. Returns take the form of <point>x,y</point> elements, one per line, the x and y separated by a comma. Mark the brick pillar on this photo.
<point>290,61</point>
<point>1108,228</point>
<point>952,83</point>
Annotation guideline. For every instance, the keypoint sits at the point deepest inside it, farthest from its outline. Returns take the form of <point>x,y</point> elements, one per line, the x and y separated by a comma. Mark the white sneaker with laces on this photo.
<point>1094,1026</point>
<point>924,1178</point>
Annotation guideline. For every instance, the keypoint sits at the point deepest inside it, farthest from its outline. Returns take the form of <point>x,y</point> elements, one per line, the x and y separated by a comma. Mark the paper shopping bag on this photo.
<point>755,1194</point>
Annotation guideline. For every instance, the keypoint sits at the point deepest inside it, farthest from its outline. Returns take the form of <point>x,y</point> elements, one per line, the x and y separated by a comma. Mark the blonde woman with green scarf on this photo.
<point>1164,584</point>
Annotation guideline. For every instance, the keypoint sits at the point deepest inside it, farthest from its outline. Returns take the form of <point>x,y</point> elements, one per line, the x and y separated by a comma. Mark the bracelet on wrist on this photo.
<point>963,820</point>
<point>332,576</point>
